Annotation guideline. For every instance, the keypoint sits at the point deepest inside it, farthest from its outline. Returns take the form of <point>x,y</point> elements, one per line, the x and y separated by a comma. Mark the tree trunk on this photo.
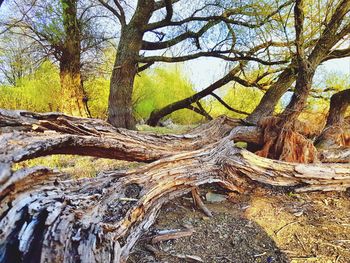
<point>46,218</point>
<point>267,105</point>
<point>281,139</point>
<point>339,104</point>
<point>337,131</point>
<point>70,74</point>
<point>120,111</point>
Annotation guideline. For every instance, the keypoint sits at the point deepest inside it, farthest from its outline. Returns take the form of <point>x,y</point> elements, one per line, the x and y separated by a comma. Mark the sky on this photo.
<point>204,71</point>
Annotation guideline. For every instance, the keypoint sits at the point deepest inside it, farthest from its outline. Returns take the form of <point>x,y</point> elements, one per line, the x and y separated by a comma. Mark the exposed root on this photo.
<point>282,142</point>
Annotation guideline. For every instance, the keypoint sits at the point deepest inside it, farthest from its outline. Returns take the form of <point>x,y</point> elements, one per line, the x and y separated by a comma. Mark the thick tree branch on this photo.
<point>162,3</point>
<point>30,135</point>
<point>214,54</point>
<point>146,45</point>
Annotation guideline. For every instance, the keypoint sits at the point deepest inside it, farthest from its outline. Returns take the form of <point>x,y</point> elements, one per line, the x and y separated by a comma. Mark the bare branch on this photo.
<point>114,11</point>
<point>146,45</point>
<point>228,106</point>
<point>162,3</point>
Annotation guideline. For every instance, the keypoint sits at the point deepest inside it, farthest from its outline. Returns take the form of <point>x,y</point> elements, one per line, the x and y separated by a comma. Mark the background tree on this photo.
<point>327,44</point>
<point>318,29</point>
<point>16,60</point>
<point>145,28</point>
<point>64,31</point>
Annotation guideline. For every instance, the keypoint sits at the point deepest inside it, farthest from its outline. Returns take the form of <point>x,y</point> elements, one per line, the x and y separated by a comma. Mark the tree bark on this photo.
<point>337,131</point>
<point>31,135</point>
<point>339,104</point>
<point>120,113</point>
<point>73,99</point>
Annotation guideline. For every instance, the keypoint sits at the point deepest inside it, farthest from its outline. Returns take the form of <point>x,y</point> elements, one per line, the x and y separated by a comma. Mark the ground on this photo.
<point>264,226</point>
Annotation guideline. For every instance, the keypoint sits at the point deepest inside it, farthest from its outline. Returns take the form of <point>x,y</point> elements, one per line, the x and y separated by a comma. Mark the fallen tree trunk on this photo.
<point>100,219</point>
<point>47,218</point>
<point>28,135</point>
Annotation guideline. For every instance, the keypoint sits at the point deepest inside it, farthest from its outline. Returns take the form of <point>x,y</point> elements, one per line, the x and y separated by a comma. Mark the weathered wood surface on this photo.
<point>45,217</point>
<point>28,135</point>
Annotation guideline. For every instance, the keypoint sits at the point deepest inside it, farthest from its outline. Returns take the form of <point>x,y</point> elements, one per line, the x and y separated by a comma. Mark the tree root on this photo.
<point>285,144</point>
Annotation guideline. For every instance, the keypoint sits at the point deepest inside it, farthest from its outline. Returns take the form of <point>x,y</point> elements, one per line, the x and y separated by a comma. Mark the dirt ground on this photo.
<point>263,226</point>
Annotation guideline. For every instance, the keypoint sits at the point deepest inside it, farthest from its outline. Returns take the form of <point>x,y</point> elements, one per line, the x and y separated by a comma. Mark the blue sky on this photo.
<point>202,72</point>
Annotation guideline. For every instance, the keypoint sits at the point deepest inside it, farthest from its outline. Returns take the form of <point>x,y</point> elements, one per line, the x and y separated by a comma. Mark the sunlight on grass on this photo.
<point>77,166</point>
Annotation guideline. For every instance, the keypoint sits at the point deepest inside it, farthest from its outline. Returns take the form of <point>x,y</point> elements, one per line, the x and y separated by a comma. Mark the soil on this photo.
<point>264,225</point>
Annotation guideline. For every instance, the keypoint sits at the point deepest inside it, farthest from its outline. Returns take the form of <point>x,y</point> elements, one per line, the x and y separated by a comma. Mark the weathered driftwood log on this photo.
<point>46,218</point>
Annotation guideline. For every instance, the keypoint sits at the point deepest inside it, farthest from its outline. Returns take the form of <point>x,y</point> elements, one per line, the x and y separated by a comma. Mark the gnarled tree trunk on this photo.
<point>120,112</point>
<point>46,218</point>
<point>336,132</point>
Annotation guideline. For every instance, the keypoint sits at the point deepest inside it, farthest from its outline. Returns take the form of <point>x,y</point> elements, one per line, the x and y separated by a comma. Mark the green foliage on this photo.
<point>37,92</point>
<point>153,89</point>
<point>97,90</point>
<point>335,81</point>
<point>238,97</point>
<point>160,87</point>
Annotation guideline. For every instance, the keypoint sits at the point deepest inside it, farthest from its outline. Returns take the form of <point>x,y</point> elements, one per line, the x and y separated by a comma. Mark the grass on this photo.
<point>173,129</point>
<point>85,167</point>
<point>76,166</point>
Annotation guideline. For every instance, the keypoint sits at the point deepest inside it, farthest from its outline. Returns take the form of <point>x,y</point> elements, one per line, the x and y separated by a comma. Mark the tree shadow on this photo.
<point>226,237</point>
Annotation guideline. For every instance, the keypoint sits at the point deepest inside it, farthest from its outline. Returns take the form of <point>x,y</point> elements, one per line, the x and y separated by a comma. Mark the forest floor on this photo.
<point>264,225</point>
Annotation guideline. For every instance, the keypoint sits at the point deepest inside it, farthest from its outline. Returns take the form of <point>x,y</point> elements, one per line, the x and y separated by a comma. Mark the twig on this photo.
<point>291,223</point>
<point>199,203</point>
<point>189,257</point>
<point>341,240</point>
<point>169,236</point>
<point>301,242</point>
<point>127,199</point>
<point>304,257</point>
<point>259,255</point>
